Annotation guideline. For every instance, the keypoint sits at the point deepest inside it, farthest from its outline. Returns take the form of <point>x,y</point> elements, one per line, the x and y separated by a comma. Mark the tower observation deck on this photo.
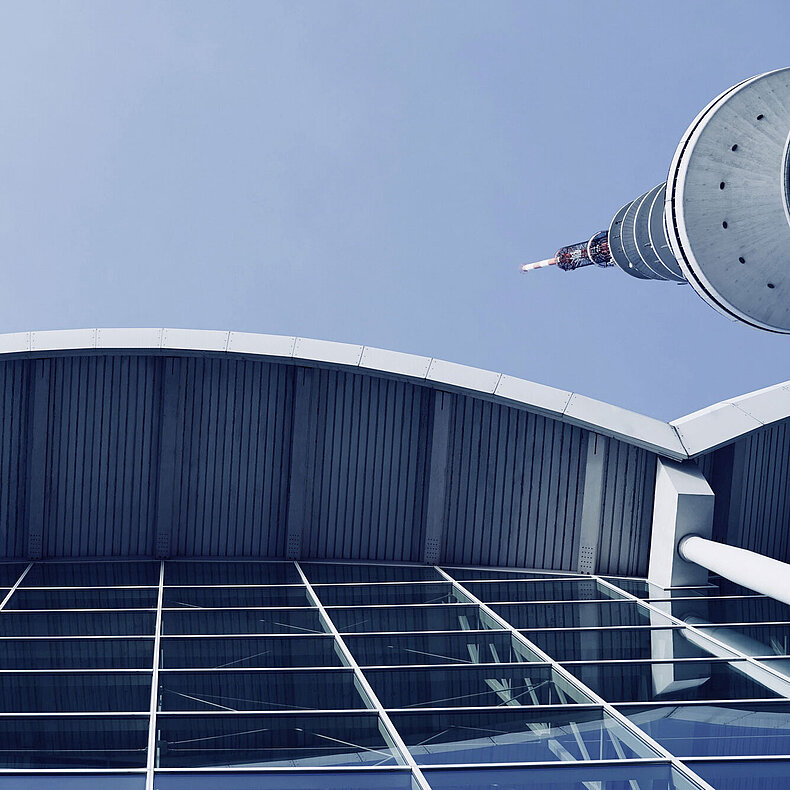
<point>721,220</point>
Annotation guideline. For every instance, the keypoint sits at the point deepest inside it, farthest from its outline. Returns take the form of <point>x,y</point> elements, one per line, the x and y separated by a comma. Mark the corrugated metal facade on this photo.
<point>232,455</point>
<point>627,509</point>
<point>13,457</point>
<point>366,467</point>
<point>148,454</point>
<point>101,455</point>
<point>514,489</point>
<point>751,481</point>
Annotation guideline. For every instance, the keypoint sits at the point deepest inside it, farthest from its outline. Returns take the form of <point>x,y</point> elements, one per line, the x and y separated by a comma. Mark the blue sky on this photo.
<point>372,172</point>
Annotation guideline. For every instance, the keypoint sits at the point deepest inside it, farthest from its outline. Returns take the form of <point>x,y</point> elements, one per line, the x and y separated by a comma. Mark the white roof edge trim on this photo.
<point>680,439</point>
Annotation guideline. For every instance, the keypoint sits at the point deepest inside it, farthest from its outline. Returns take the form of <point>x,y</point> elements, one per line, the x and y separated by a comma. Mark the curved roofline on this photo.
<point>680,439</point>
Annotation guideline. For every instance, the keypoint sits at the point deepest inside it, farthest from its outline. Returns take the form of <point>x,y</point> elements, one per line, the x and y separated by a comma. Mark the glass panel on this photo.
<point>731,610</point>
<point>782,666</point>
<point>752,775</point>
<point>329,573</point>
<point>33,692</point>
<point>241,621</point>
<point>726,587</point>
<point>73,742</point>
<point>450,687</point>
<point>642,589</point>
<point>76,654</point>
<point>516,736</point>
<point>10,573</point>
<point>458,648</point>
<point>637,587</point>
<point>717,730</point>
<point>218,597</point>
<point>312,780</point>
<point>470,574</point>
<point>595,614</point>
<point>97,598</point>
<point>690,680</point>
<point>231,573</point>
<point>77,623</point>
<point>323,690</point>
<point>620,643</point>
<point>658,594</point>
<point>582,590</point>
<point>284,651</point>
<point>754,640</point>
<point>73,782</point>
<point>92,574</point>
<point>416,618</point>
<point>364,595</point>
<point>304,740</point>
<point>561,777</point>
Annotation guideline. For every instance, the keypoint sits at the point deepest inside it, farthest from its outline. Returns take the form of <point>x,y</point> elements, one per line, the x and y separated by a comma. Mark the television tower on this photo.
<point>721,221</point>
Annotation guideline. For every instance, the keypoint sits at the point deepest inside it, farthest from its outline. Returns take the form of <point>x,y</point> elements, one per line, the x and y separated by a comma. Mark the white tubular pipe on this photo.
<point>755,571</point>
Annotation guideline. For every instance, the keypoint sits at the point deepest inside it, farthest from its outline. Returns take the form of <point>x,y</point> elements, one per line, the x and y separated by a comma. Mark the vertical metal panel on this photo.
<point>626,514</point>
<point>756,484</point>
<point>232,458</point>
<point>367,465</point>
<point>515,487</point>
<point>513,480</point>
<point>13,456</point>
<point>100,491</point>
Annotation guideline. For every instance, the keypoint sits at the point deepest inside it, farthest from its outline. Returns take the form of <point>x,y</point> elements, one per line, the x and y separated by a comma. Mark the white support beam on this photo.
<point>683,506</point>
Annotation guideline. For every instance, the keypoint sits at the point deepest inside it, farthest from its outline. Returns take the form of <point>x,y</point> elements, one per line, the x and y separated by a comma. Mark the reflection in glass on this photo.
<point>730,728</point>
<point>73,742</point>
<point>34,692</point>
<point>92,574</point>
<point>76,654</point>
<point>555,590</point>
<point>641,589</point>
<point>561,777</point>
<point>373,594</point>
<point>303,780</point>
<point>245,652</point>
<point>751,775</point>
<point>489,686</point>
<point>732,610</point>
<point>458,617</point>
<point>678,680</point>
<point>91,598</point>
<point>241,621</point>
<point>297,690</point>
<point>329,573</point>
<point>616,644</point>
<point>754,640</point>
<point>219,597</point>
<point>455,648</point>
<point>77,623</point>
<point>516,736</point>
<point>10,573</point>
<point>473,574</point>
<point>275,740</point>
<point>592,614</point>
<point>231,573</point>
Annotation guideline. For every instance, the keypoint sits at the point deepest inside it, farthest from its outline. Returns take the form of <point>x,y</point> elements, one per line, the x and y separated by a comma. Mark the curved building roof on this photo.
<point>172,442</point>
